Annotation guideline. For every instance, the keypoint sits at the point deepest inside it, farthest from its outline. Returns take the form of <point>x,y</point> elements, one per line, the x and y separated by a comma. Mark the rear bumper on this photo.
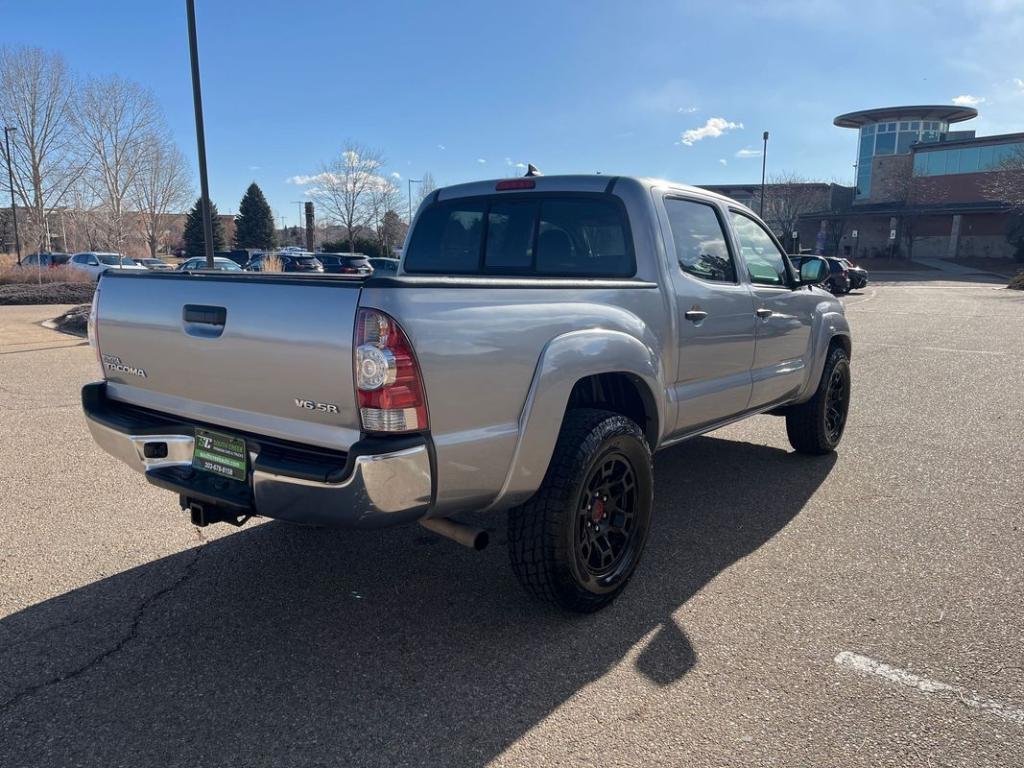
<point>379,482</point>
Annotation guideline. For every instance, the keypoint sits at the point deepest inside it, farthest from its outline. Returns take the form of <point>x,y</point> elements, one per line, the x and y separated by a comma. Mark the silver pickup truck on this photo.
<point>541,338</point>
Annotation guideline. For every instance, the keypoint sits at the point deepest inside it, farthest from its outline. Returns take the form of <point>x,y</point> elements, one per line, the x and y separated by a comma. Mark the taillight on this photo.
<point>388,379</point>
<point>92,329</point>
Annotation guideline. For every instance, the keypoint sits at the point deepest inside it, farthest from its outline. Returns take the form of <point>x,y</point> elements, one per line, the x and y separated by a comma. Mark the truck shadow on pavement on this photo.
<point>279,645</point>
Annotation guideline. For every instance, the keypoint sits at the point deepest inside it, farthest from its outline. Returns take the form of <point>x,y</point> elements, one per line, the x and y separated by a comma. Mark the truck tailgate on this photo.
<point>266,355</point>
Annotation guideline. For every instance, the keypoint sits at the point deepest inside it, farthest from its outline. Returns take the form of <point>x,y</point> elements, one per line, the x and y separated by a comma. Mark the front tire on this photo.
<point>817,426</point>
<point>578,540</point>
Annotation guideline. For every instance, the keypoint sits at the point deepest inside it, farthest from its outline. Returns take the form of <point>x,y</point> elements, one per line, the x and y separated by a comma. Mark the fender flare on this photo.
<point>829,325</point>
<point>565,360</point>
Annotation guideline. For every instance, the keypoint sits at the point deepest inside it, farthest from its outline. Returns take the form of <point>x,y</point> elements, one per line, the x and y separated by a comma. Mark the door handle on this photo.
<point>764,313</point>
<point>695,315</point>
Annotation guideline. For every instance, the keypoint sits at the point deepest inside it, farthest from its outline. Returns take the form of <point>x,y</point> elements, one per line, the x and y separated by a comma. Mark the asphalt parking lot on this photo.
<point>865,608</point>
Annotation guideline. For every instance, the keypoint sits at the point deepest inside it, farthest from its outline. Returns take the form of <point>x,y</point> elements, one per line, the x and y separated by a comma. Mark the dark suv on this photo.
<point>345,263</point>
<point>839,277</point>
<point>291,261</point>
<point>48,260</point>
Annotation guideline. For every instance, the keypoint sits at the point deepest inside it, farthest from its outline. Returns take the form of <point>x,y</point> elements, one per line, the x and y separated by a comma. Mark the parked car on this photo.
<point>346,263</point>
<point>198,263</point>
<point>156,264</point>
<point>241,256</point>
<point>95,263</point>
<point>838,281</point>
<point>384,266</point>
<point>858,275</point>
<point>291,261</point>
<point>561,328</point>
<point>46,260</point>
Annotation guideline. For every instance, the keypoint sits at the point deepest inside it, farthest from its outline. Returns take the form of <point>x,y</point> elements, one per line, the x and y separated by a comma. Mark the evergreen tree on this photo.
<point>194,230</point>
<point>254,224</point>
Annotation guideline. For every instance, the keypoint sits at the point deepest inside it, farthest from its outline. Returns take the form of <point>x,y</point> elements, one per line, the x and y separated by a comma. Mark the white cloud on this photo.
<point>687,110</point>
<point>301,179</point>
<point>396,175</point>
<point>748,152</point>
<point>442,147</point>
<point>967,100</point>
<point>520,165</point>
<point>1019,83</point>
<point>714,127</point>
<point>723,161</point>
<point>254,167</point>
<point>481,161</point>
<point>508,162</point>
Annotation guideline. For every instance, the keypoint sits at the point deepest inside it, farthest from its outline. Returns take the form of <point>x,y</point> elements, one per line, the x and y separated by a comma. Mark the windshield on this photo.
<point>113,259</point>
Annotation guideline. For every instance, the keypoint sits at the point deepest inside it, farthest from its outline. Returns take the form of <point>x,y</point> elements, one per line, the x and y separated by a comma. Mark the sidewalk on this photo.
<point>21,329</point>
<point>952,268</point>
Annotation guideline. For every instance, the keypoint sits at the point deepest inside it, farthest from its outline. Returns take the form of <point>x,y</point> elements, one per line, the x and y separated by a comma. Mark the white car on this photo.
<point>95,263</point>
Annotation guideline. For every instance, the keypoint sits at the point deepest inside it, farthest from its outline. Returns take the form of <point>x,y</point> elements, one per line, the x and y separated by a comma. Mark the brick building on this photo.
<point>923,190</point>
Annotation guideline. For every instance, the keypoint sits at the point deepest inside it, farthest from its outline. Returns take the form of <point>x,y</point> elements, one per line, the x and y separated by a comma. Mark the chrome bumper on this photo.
<point>373,488</point>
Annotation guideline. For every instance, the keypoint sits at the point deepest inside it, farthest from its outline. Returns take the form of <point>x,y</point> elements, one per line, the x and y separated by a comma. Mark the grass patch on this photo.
<point>75,320</point>
<point>12,274</point>
<point>1018,282</point>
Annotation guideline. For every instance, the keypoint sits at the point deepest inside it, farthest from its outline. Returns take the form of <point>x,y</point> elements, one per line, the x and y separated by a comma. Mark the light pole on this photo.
<point>764,160</point>
<point>411,182</point>
<point>197,100</point>
<point>10,178</point>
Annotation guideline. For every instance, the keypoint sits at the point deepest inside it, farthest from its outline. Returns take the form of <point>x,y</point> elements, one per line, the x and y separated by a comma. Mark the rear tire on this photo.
<point>817,426</point>
<point>578,541</point>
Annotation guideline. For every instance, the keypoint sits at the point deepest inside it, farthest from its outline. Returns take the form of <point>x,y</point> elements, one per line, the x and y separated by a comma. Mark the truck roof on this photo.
<point>588,182</point>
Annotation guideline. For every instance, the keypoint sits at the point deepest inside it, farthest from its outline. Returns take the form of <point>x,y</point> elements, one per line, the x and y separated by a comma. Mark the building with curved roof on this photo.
<point>894,130</point>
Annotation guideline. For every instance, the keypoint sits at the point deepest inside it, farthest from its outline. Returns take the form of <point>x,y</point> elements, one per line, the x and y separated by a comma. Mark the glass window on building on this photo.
<point>885,144</point>
<point>864,180</point>
<point>915,126</point>
<point>868,130</point>
<point>969,157</point>
<point>905,139</point>
<point>985,158</point>
<point>921,164</point>
<point>952,161</point>
<point>867,147</point>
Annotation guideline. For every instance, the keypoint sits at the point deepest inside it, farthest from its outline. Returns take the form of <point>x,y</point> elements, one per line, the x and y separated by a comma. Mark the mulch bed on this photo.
<point>47,293</point>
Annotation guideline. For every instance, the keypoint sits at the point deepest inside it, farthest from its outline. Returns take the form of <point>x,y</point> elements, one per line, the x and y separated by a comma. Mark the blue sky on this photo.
<point>467,90</point>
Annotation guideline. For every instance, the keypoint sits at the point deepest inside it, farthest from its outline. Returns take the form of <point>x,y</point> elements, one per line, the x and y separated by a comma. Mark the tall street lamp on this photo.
<point>10,178</point>
<point>764,160</point>
<point>197,100</point>
<point>411,182</point>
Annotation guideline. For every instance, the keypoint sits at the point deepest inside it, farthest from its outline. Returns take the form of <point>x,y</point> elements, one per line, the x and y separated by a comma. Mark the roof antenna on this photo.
<point>531,170</point>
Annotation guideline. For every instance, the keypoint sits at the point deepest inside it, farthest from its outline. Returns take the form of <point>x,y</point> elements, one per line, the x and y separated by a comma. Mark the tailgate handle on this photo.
<point>197,313</point>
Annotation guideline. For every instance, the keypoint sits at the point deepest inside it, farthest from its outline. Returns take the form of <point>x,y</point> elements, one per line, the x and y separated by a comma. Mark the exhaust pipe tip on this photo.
<point>467,535</point>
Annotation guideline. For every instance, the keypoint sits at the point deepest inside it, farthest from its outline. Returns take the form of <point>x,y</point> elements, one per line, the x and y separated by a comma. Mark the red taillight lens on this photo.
<point>388,379</point>
<point>502,186</point>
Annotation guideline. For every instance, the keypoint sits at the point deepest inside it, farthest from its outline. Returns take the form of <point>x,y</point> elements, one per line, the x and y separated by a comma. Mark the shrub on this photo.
<point>272,263</point>
<point>1017,283</point>
<point>12,274</point>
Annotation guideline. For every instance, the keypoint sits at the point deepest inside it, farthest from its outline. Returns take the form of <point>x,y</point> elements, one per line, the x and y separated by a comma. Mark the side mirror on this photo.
<point>813,270</point>
<point>93,263</point>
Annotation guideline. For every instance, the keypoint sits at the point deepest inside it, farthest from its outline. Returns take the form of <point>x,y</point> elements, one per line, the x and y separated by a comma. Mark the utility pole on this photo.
<point>197,99</point>
<point>10,178</point>
<point>299,203</point>
<point>411,182</point>
<point>764,161</point>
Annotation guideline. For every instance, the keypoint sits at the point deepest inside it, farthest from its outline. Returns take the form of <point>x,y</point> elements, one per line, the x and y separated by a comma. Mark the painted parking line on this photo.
<point>928,687</point>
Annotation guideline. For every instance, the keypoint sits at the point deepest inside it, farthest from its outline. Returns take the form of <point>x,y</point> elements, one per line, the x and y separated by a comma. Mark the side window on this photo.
<point>766,264</point>
<point>79,259</point>
<point>701,248</point>
<point>30,261</point>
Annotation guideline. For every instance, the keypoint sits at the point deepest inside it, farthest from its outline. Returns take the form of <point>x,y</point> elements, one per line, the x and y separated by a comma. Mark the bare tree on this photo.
<point>344,187</point>
<point>427,186</point>
<point>119,122</point>
<point>1007,184</point>
<point>385,198</point>
<point>162,186</point>
<point>37,98</point>
<point>787,197</point>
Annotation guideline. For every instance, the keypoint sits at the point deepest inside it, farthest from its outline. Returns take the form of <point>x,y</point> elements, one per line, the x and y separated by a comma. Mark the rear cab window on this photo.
<point>531,234</point>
